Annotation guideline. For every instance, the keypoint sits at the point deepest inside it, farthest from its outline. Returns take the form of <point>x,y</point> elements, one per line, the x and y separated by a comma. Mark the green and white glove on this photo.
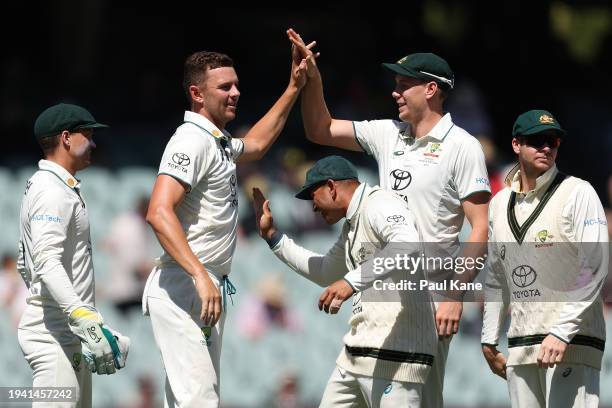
<point>100,347</point>
<point>119,360</point>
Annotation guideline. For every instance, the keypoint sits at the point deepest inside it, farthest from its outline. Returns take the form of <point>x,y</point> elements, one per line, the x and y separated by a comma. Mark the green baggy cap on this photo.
<point>536,121</point>
<point>64,116</point>
<point>328,168</point>
<point>425,66</point>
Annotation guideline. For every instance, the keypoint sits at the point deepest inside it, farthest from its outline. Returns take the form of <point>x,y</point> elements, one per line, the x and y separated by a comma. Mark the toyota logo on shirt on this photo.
<point>181,159</point>
<point>402,179</point>
<point>395,218</point>
<point>523,276</point>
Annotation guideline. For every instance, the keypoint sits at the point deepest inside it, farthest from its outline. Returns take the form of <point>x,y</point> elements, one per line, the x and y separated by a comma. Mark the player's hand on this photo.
<point>211,299</point>
<point>98,341</point>
<point>552,350</point>
<point>334,295</point>
<point>124,347</point>
<point>263,215</point>
<point>298,74</point>
<point>495,359</point>
<point>300,51</point>
<point>448,315</point>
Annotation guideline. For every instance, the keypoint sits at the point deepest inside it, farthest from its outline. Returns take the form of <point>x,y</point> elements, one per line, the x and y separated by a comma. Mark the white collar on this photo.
<point>60,172</point>
<point>438,132</point>
<point>513,179</point>
<point>356,200</point>
<point>203,123</point>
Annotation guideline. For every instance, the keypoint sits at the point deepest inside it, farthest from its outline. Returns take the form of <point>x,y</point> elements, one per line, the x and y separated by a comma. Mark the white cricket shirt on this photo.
<point>432,173</point>
<point>203,157</point>
<point>55,258</point>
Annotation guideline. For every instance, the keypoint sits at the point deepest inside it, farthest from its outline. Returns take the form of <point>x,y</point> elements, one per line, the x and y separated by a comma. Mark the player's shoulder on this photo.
<point>386,125</point>
<point>381,199</point>
<point>462,138</point>
<point>579,187</point>
<point>46,185</point>
<point>500,197</point>
<point>189,134</point>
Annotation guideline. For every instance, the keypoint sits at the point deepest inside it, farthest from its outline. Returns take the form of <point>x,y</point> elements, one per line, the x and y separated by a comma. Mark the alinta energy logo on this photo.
<point>401,179</point>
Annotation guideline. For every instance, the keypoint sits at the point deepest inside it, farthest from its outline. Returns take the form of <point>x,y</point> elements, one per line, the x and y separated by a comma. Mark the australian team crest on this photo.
<point>543,235</point>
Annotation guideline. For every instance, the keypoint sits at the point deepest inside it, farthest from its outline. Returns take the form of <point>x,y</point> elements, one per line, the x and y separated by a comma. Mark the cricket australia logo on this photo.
<point>433,150</point>
<point>401,179</point>
<point>206,333</point>
<point>542,237</point>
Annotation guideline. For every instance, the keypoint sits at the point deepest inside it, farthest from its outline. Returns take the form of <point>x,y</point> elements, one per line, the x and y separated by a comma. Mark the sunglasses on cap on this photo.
<point>539,140</point>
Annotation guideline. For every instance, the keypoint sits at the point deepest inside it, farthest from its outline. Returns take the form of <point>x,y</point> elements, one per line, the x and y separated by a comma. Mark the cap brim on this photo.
<point>542,128</point>
<point>398,69</point>
<point>304,193</point>
<point>94,125</point>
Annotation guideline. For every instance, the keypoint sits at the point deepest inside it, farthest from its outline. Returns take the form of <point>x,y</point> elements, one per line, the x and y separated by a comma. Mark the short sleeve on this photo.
<point>470,170</point>
<point>237,147</point>
<point>185,158</point>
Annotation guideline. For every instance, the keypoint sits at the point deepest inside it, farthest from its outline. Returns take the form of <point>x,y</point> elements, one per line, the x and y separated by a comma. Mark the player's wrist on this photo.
<point>273,237</point>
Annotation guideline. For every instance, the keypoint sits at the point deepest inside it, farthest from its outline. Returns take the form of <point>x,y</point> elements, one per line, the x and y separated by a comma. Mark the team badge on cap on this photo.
<point>546,119</point>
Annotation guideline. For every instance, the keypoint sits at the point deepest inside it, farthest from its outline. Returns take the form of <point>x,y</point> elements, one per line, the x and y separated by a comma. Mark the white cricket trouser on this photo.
<point>56,365</point>
<point>347,390</point>
<point>564,386</point>
<point>434,386</point>
<point>190,351</point>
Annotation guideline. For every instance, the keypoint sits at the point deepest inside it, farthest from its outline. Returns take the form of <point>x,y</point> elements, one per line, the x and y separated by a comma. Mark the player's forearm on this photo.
<point>493,319</point>
<point>55,278</point>
<point>316,116</point>
<point>311,265</point>
<point>168,230</point>
<point>263,134</point>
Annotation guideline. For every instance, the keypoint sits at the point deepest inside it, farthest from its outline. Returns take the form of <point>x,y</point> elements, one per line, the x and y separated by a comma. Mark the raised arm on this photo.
<point>263,134</point>
<point>319,126</point>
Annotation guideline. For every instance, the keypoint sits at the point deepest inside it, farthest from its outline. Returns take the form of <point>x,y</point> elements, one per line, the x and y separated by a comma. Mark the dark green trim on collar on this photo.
<point>519,231</point>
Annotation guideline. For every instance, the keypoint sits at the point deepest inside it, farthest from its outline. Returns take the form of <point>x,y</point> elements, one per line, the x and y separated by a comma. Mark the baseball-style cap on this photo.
<point>426,66</point>
<point>536,121</point>
<point>328,168</point>
<point>64,116</point>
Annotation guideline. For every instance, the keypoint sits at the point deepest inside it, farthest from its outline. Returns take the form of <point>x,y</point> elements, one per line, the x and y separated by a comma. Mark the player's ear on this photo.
<point>65,138</point>
<point>516,145</point>
<point>333,188</point>
<point>196,94</point>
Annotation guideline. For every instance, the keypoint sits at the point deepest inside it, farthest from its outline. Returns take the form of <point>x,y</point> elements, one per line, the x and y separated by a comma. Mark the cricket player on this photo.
<point>193,211</point>
<point>391,346</point>
<point>548,234</point>
<point>62,335</point>
<point>436,166</point>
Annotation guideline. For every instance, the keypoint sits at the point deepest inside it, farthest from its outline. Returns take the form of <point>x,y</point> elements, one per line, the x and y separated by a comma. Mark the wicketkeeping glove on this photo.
<point>101,349</point>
